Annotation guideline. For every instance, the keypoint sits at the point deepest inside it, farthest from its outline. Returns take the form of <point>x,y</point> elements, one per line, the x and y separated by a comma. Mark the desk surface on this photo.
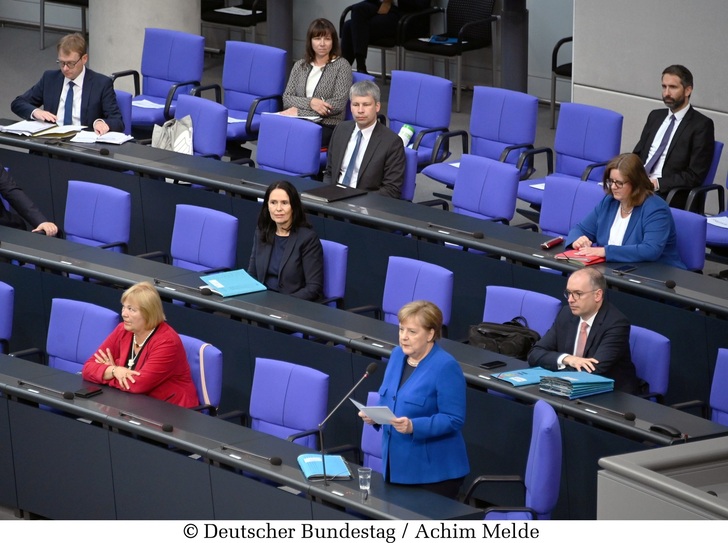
<point>355,332</point>
<point>207,436</point>
<point>515,244</point>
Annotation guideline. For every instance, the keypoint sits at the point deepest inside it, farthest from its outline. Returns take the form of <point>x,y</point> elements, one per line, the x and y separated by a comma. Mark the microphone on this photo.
<point>166,427</point>
<point>371,368</point>
<point>274,460</point>
<point>627,415</point>
<point>448,230</point>
<point>65,394</point>
<point>668,283</point>
<point>203,289</point>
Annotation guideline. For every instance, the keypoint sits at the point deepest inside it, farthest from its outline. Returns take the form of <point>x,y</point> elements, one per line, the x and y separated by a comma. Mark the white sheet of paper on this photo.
<point>454,164</point>
<point>234,120</point>
<point>147,104</point>
<point>235,11</point>
<point>381,414</point>
<point>539,186</point>
<point>720,222</point>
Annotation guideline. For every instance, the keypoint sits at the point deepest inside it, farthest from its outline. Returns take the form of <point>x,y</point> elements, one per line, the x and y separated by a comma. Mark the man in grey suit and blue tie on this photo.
<point>364,153</point>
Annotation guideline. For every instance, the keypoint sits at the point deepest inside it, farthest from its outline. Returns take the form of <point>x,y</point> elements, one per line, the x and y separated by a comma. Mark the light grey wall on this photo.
<point>622,46</point>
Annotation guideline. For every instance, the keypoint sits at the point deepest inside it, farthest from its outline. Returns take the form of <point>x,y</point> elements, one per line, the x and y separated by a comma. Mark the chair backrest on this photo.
<point>421,101</point>
<point>355,78</point>
<point>543,469</point>
<point>710,176</point>
<point>7,303</point>
<point>500,118</point>
<point>651,358</point>
<point>288,398</point>
<point>251,71</point>
<point>203,239</point>
<point>209,124</point>
<point>169,57</point>
<point>409,280</point>
<point>371,441</point>
<point>485,188</point>
<point>75,331</point>
<point>566,201</point>
<point>206,369</point>
<point>461,12</point>
<point>718,394</point>
<point>336,258</point>
<point>123,99</point>
<point>97,215</point>
<point>289,145</point>
<point>586,135</point>
<point>691,230</point>
<point>505,303</point>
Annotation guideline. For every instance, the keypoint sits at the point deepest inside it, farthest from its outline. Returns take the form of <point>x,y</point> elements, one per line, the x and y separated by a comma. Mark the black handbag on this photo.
<point>513,338</point>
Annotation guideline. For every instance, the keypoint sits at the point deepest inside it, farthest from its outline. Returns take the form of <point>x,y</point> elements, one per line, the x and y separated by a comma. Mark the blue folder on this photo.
<point>232,283</point>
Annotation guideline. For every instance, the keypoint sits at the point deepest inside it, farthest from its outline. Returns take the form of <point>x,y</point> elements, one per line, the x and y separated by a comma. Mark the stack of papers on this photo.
<point>232,283</point>
<point>521,378</point>
<point>117,138</point>
<point>312,467</point>
<point>41,129</point>
<point>575,384</point>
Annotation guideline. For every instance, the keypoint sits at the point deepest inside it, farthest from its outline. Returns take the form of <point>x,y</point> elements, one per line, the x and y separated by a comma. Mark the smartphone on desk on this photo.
<point>495,364</point>
<point>88,392</point>
<point>621,270</point>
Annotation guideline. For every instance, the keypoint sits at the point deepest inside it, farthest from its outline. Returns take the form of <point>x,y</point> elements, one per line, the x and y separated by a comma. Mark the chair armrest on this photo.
<point>588,170</point>
<point>124,246</point>
<point>422,133</point>
<point>124,73</point>
<point>691,404</point>
<point>405,21</point>
<point>483,479</point>
<point>299,435</point>
<point>347,448</point>
<point>342,19</point>
<point>378,313</point>
<point>691,205</point>
<point>155,254</point>
<point>529,226</point>
<point>32,351</point>
<point>241,416</point>
<point>435,203</point>
<point>445,138</point>
<point>211,409</point>
<point>254,107</point>
<point>338,299</point>
<point>197,91</point>
<point>467,26</point>
<point>555,52</point>
<point>170,95</point>
<point>215,270</point>
<point>659,398</point>
<point>247,161</point>
<point>529,166</point>
<point>528,154</point>
<point>505,509</point>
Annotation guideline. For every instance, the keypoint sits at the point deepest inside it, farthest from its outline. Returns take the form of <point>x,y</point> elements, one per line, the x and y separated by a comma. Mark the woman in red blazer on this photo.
<point>144,355</point>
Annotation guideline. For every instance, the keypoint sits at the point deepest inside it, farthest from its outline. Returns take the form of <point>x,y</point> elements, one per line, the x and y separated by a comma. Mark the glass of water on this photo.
<point>365,479</point>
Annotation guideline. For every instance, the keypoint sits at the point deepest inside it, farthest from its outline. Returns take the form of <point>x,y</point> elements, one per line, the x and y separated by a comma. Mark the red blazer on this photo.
<point>162,364</point>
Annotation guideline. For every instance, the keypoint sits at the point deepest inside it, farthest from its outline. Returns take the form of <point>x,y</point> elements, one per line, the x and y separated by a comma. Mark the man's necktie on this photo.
<point>68,110</point>
<point>661,148</point>
<point>581,344</point>
<point>352,161</point>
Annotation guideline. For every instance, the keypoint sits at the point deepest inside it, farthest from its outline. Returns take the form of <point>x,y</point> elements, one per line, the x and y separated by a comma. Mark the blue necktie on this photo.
<point>352,161</point>
<point>661,148</point>
<point>68,109</point>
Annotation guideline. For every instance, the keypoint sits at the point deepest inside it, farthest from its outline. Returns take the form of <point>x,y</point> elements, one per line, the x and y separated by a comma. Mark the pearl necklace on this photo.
<point>140,345</point>
<point>133,355</point>
<point>413,364</point>
<point>625,212</point>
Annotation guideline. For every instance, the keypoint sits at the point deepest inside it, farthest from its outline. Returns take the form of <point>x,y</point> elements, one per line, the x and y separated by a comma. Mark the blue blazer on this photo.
<point>98,100</point>
<point>302,268</point>
<point>650,234</point>
<point>434,399</point>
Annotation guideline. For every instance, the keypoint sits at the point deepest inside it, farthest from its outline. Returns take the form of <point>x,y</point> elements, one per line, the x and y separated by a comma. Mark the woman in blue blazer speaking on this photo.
<point>631,223</point>
<point>425,388</point>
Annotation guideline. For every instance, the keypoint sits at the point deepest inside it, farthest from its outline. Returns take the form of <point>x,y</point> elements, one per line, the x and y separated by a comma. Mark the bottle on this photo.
<point>406,133</point>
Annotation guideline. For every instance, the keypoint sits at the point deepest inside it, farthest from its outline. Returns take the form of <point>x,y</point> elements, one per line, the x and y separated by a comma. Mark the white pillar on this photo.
<point>116,31</point>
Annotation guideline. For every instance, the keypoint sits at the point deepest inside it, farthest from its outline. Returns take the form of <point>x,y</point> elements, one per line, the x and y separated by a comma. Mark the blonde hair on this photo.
<point>427,313</point>
<point>147,298</point>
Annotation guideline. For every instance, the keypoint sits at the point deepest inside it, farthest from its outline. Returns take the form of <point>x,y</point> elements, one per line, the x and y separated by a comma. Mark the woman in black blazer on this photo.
<point>287,255</point>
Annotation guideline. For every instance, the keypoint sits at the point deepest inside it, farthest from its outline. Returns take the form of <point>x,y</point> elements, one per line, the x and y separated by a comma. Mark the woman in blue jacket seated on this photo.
<point>631,223</point>
<point>425,388</point>
<point>287,255</point>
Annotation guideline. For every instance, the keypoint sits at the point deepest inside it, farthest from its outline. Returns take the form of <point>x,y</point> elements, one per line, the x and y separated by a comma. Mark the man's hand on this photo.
<point>48,228</point>
<point>43,115</point>
<point>385,7</point>
<point>579,363</point>
<point>100,127</point>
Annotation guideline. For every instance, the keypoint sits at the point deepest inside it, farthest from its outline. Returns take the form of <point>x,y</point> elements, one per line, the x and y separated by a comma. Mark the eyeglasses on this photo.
<point>68,63</point>
<point>614,182</point>
<point>577,294</point>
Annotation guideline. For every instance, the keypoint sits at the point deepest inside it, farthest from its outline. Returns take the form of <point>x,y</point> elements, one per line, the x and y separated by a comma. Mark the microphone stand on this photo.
<point>371,368</point>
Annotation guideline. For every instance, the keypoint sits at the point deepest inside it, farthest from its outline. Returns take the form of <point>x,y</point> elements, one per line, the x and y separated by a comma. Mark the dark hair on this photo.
<point>632,169</point>
<point>266,225</point>
<point>322,27</point>
<point>686,78</point>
